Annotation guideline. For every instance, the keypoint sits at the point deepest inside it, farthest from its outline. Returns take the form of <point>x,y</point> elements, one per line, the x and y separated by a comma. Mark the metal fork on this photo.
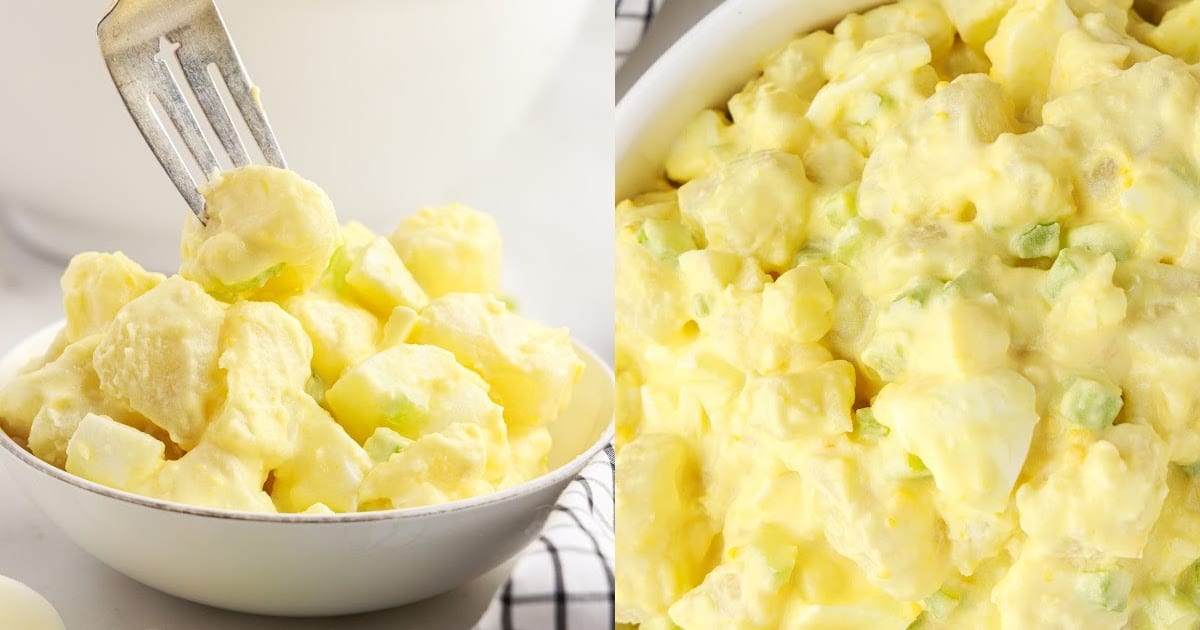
<point>137,39</point>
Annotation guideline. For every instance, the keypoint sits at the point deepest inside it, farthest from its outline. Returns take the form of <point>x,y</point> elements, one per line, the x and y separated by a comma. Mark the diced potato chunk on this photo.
<point>531,368</point>
<point>342,333</point>
<point>159,356</point>
<point>801,405</point>
<point>208,476</point>
<point>973,434</point>
<point>756,206</point>
<point>449,249</point>
<point>112,454</point>
<point>411,389</point>
<point>265,355</point>
<point>327,468</point>
<point>96,286</point>
<point>269,233</point>
<point>399,326</point>
<point>378,278</point>
<point>798,305</point>
<point>664,532</point>
<point>444,466</point>
<point>1105,497</point>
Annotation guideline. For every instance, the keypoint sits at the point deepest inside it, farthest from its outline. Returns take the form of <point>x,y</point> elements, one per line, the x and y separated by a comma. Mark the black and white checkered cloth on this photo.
<point>633,16</point>
<point>564,579</point>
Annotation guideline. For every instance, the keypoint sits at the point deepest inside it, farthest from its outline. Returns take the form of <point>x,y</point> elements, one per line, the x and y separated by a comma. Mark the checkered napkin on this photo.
<point>564,579</point>
<point>633,16</point>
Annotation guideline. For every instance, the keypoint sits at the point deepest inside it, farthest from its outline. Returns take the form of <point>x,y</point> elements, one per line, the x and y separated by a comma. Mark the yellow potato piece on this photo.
<point>450,249</point>
<point>438,467</point>
<point>159,357</point>
<point>96,286</point>
<point>530,368</point>
<point>269,233</point>
<point>112,454</point>
<point>378,278</point>
<point>342,333</point>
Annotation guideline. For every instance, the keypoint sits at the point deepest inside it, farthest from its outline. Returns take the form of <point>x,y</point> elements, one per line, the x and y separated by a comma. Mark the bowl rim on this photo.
<point>550,478</point>
<point>721,49</point>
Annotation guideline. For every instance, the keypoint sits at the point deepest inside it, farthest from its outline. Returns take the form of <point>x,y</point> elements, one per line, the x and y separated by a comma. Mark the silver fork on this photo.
<point>137,39</point>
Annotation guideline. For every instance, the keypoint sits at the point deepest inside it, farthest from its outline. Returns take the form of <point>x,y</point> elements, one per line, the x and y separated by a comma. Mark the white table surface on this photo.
<point>92,597</point>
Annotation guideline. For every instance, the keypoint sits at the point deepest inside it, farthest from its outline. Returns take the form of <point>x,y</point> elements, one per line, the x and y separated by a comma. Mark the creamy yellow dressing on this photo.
<point>910,335</point>
<point>297,366</point>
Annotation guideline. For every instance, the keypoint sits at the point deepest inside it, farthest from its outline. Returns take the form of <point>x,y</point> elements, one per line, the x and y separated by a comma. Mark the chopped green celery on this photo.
<point>1100,238</point>
<point>1039,241</point>
<point>922,621</point>
<point>841,206</point>
<point>230,292</point>
<point>910,467</point>
<point>1065,269</point>
<point>1105,589</point>
<point>966,284</point>
<point>316,387</point>
<point>405,416</point>
<point>887,360</point>
<point>510,303</point>
<point>1090,403</point>
<point>339,265</point>
<point>852,237</point>
<point>1188,583</point>
<point>809,256</point>
<point>384,443</point>
<point>665,239</point>
<point>940,604</point>
<point>1186,174</point>
<point>700,305</point>
<point>866,426</point>
<point>917,292</point>
<point>1165,608</point>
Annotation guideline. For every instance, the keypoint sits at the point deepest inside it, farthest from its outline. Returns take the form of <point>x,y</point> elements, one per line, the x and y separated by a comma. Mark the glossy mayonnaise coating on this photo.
<point>295,365</point>
<point>908,336</point>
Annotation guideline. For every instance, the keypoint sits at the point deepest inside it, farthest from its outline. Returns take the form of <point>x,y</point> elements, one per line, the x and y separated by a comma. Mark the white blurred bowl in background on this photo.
<point>384,103</point>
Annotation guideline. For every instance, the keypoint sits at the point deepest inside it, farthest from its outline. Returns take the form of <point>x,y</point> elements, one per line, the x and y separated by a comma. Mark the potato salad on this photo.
<point>295,365</point>
<point>909,336</point>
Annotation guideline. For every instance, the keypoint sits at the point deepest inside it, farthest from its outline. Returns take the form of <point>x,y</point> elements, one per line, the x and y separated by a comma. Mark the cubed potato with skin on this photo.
<point>450,249</point>
<point>113,454</point>
<point>327,468</point>
<point>342,333</point>
<point>159,357</point>
<point>530,367</point>
<point>95,286</point>
<point>443,466</point>
<point>380,281</point>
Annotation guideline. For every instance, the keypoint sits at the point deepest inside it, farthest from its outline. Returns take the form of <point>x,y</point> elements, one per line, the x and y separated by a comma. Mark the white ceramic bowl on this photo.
<point>310,565</point>
<point>703,69</point>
